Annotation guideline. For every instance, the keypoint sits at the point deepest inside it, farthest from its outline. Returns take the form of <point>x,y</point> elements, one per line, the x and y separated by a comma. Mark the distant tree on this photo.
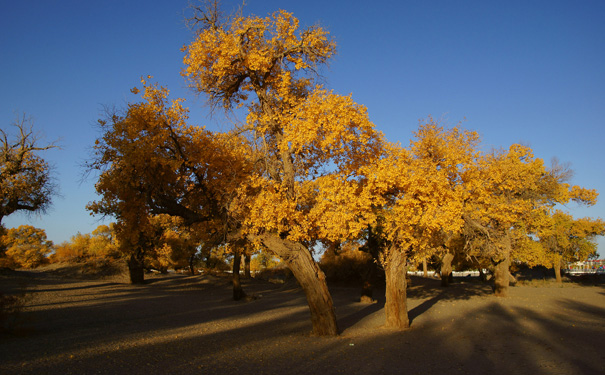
<point>513,200</point>
<point>566,239</point>
<point>26,182</point>
<point>26,247</point>
<point>175,244</point>
<point>100,244</point>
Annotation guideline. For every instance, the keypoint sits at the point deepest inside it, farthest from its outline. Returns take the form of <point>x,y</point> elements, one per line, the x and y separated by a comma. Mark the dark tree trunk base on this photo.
<point>136,270</point>
<point>238,291</point>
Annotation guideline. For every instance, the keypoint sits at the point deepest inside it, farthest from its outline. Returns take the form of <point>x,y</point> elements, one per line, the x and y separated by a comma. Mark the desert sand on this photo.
<point>178,324</point>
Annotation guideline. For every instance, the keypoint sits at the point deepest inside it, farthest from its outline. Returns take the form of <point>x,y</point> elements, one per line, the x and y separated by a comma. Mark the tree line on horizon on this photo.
<point>308,170</point>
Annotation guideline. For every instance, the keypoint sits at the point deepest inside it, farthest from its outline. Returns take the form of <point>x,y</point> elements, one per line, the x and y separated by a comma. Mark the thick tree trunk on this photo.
<point>238,292</point>
<point>425,268</point>
<point>502,277</point>
<point>557,267</point>
<point>247,265</point>
<point>396,298</point>
<point>446,268</point>
<point>136,269</point>
<point>311,279</point>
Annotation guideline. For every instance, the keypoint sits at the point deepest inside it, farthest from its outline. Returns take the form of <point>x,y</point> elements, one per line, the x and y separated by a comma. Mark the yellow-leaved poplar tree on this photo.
<point>516,194</point>
<point>566,239</point>
<point>151,162</point>
<point>311,141</point>
<point>26,247</point>
<point>418,197</point>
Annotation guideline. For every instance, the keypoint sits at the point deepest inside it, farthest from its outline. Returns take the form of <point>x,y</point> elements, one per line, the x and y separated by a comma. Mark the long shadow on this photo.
<point>350,320</point>
<point>425,306</point>
<point>496,338</point>
<point>81,287</point>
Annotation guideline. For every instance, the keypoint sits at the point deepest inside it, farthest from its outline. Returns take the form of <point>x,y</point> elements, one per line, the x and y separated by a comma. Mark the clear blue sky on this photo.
<point>515,71</point>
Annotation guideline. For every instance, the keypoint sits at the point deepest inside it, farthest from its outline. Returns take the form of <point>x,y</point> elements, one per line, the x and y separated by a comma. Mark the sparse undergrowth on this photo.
<point>11,307</point>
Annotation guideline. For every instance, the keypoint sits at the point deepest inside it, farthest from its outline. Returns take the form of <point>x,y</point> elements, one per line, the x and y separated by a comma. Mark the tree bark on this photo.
<point>425,269</point>
<point>396,298</point>
<point>557,267</point>
<point>136,269</point>
<point>311,279</point>
<point>446,268</point>
<point>247,265</point>
<point>238,292</point>
<point>502,277</point>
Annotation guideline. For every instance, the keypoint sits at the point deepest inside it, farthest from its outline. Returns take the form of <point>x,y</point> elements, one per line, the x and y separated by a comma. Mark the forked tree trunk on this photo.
<point>502,277</point>
<point>310,278</point>
<point>136,268</point>
<point>396,298</point>
<point>238,292</point>
<point>446,268</point>
<point>557,267</point>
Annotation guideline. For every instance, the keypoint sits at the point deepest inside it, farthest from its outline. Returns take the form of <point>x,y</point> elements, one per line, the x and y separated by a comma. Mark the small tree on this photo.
<point>26,182</point>
<point>26,247</point>
<point>569,240</point>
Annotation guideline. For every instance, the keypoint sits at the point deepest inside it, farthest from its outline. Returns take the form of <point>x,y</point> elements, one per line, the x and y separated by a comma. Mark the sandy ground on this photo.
<point>189,325</point>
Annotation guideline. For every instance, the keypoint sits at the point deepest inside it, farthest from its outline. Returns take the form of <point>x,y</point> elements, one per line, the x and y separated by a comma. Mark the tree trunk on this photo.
<point>425,267</point>
<point>396,298</point>
<point>367,290</point>
<point>247,265</point>
<point>502,277</point>
<point>191,267</point>
<point>311,279</point>
<point>238,292</point>
<point>370,278</point>
<point>482,275</point>
<point>446,268</point>
<point>557,267</point>
<point>502,274</point>
<point>136,269</point>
